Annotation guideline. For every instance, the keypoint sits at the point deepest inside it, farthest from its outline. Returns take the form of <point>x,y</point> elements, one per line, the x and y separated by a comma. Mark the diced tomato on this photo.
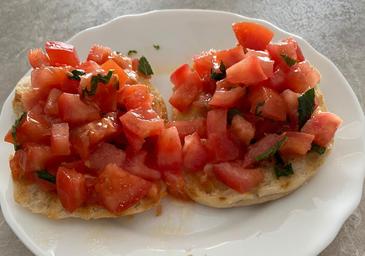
<point>74,111</point>
<point>71,188</point>
<point>124,62</point>
<point>302,76</point>
<point>217,121</point>
<point>135,96</point>
<point>267,103</point>
<point>248,71</point>
<point>187,87</point>
<point>266,63</point>
<point>112,65</point>
<point>51,107</point>
<point>46,78</point>
<point>105,154</point>
<point>252,35</point>
<point>175,185</point>
<point>202,64</point>
<point>135,143</point>
<point>227,98</point>
<point>90,66</point>
<point>265,126</point>
<point>136,165</point>
<point>230,56</point>
<point>78,165</point>
<point>169,150</point>
<point>291,101</point>
<point>60,143</point>
<point>323,126</point>
<point>277,81</point>
<point>142,122</point>
<point>88,135</point>
<point>99,53</point>
<point>243,130</point>
<point>300,56</point>
<point>37,157</point>
<point>135,64</point>
<point>221,147</point>
<point>284,49</point>
<point>91,194</point>
<point>33,128</point>
<point>118,190</point>
<point>186,127</point>
<point>298,143</point>
<point>61,54</point>
<point>37,58</point>
<point>260,147</point>
<point>237,177</point>
<point>195,155</point>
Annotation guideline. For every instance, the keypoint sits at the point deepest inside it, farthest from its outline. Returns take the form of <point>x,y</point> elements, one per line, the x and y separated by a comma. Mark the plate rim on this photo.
<point>330,236</point>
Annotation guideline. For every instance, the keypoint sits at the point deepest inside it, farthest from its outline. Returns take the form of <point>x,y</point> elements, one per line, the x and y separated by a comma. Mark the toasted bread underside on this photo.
<point>38,201</point>
<point>205,189</point>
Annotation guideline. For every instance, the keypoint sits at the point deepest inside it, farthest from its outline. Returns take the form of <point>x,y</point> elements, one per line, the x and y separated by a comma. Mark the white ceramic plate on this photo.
<point>303,223</point>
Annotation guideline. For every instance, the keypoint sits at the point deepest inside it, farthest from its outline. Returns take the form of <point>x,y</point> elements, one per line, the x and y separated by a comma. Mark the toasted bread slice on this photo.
<point>205,189</point>
<point>38,201</point>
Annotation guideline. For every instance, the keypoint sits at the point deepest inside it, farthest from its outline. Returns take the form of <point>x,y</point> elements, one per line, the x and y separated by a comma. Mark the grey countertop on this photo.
<point>335,28</point>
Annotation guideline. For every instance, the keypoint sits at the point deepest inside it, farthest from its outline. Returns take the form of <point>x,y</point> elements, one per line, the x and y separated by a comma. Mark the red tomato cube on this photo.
<point>61,54</point>
<point>60,143</point>
<point>135,96</point>
<point>252,35</point>
<point>169,150</point>
<point>237,177</point>
<point>217,121</point>
<point>227,98</point>
<point>243,130</point>
<point>103,155</point>
<point>298,143</point>
<point>51,107</point>
<point>187,127</point>
<point>195,153</point>
<point>230,56</point>
<point>37,58</point>
<point>221,148</point>
<point>99,53</point>
<point>136,165</point>
<point>302,76</point>
<point>323,126</point>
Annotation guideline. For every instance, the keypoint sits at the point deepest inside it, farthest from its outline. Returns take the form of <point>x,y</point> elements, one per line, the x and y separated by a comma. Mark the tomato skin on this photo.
<point>252,35</point>
<point>61,54</point>
<point>227,98</point>
<point>298,143</point>
<point>118,190</point>
<point>302,76</point>
<point>134,96</point>
<point>60,143</point>
<point>267,103</point>
<point>51,107</point>
<point>189,127</point>
<point>37,58</point>
<point>187,87</point>
<point>195,154</point>
<point>169,150</point>
<point>248,71</point>
<point>235,176</point>
<point>243,130</point>
<point>230,56</point>
<point>202,64</point>
<point>74,111</point>
<point>105,154</point>
<point>217,121</point>
<point>99,53</point>
<point>323,126</point>
<point>71,188</point>
<point>142,122</point>
<point>260,147</point>
<point>136,165</point>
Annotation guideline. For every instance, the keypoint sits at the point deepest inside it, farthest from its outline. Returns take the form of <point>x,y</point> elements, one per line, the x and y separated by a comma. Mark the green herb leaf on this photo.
<point>231,113</point>
<point>271,151</point>
<point>289,61</point>
<point>95,80</point>
<point>75,74</point>
<point>305,106</point>
<point>318,149</point>
<point>144,66</point>
<point>14,128</point>
<point>283,170</point>
<point>156,46</point>
<point>44,175</point>
<point>218,75</point>
<point>131,52</point>
<point>259,107</point>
